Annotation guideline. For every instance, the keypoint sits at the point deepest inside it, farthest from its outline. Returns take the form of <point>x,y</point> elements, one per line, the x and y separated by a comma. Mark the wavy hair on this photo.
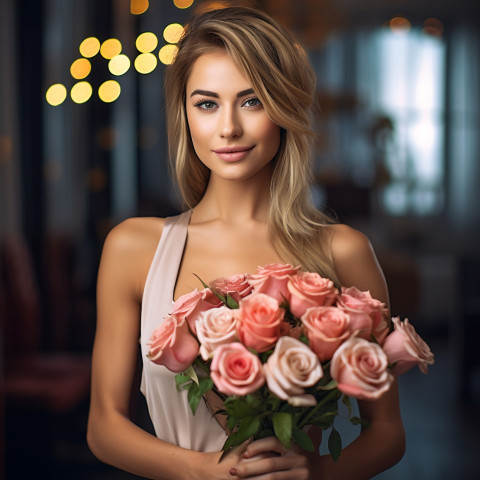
<point>283,80</point>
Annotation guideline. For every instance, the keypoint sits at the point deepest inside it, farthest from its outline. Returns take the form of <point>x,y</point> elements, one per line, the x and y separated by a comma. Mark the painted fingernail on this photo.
<point>233,471</point>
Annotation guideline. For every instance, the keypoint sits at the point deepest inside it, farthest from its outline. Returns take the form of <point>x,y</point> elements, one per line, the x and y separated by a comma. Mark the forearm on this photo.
<point>378,448</point>
<point>115,440</point>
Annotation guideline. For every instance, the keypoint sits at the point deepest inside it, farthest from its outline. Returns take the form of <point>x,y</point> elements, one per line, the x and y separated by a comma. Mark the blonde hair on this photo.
<point>284,81</point>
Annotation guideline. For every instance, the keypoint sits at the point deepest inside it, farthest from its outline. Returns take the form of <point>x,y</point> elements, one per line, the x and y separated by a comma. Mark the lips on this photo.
<point>234,153</point>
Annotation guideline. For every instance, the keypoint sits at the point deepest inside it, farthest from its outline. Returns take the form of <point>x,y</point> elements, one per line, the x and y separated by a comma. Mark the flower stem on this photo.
<point>330,396</point>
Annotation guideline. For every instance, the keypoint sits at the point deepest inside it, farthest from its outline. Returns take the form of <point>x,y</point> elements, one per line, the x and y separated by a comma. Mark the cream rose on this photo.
<point>215,327</point>
<point>367,314</point>
<point>235,370</point>
<point>360,369</point>
<point>191,304</point>
<point>326,329</point>
<point>308,290</point>
<point>236,286</point>
<point>290,369</point>
<point>272,280</point>
<point>172,345</point>
<point>405,348</point>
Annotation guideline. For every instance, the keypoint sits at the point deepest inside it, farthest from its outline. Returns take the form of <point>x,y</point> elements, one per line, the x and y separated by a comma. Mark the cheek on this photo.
<point>201,129</point>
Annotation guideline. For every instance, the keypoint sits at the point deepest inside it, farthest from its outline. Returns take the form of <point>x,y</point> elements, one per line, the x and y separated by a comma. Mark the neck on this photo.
<point>236,201</point>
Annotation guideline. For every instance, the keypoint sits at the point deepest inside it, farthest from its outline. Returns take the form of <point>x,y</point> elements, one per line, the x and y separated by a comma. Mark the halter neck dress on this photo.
<point>169,410</point>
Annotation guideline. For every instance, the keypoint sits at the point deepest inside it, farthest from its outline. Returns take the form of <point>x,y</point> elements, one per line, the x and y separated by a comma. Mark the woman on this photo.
<point>239,100</point>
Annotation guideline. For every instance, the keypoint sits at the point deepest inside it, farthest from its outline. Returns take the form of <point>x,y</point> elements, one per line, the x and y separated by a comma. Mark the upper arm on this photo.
<point>356,264</point>
<point>126,257</point>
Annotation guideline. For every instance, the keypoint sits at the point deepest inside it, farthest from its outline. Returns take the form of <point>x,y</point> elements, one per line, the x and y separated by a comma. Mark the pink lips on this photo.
<point>233,154</point>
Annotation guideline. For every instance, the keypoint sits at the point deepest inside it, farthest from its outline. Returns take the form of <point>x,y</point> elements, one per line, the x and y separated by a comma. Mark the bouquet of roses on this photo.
<point>281,348</point>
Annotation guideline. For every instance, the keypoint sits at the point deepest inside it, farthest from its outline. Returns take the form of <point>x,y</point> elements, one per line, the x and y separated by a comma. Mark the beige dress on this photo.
<point>169,409</point>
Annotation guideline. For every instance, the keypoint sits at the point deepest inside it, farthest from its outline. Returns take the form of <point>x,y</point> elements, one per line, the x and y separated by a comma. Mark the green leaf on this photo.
<point>196,392</point>
<point>190,372</point>
<point>248,427</point>
<point>302,439</point>
<point>182,381</point>
<point>231,302</point>
<point>282,426</point>
<point>239,408</point>
<point>334,444</point>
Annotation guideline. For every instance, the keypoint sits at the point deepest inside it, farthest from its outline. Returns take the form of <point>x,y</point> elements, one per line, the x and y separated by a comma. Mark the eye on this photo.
<point>205,105</point>
<point>252,102</point>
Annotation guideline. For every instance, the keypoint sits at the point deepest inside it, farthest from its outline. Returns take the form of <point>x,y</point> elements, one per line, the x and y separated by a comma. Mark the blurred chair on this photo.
<point>37,382</point>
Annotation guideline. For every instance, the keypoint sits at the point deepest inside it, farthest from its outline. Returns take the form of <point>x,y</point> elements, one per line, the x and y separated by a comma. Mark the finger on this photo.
<point>292,474</point>
<point>268,444</point>
<point>260,465</point>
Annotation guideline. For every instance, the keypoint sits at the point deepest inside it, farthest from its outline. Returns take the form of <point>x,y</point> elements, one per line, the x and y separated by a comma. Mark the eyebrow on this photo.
<point>208,93</point>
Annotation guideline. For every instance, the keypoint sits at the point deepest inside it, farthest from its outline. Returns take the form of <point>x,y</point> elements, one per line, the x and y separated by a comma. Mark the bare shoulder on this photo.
<point>129,249</point>
<point>355,261</point>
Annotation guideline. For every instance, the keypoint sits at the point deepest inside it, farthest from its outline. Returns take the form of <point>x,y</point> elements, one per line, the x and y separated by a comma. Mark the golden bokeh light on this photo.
<point>400,25</point>
<point>137,7</point>
<point>208,6</point>
<point>146,42</point>
<point>56,94</point>
<point>81,92</point>
<point>110,48</point>
<point>167,54</point>
<point>109,91</point>
<point>90,47</point>
<point>173,32</point>
<point>145,63</point>
<point>80,68</point>
<point>433,26</point>
<point>183,3</point>
<point>119,64</point>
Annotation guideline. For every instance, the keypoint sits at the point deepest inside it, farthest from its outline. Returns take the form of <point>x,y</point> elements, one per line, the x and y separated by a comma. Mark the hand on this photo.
<point>210,466</point>
<point>268,458</point>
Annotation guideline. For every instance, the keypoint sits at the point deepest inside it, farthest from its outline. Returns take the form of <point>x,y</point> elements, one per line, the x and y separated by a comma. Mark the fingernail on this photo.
<point>245,455</point>
<point>233,471</point>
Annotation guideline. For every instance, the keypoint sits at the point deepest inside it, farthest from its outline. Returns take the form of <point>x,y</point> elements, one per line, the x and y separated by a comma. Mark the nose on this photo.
<point>230,124</point>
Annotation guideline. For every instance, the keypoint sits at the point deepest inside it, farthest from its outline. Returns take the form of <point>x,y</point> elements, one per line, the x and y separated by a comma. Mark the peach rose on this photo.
<point>191,304</point>
<point>360,369</point>
<point>235,370</point>
<point>309,290</point>
<point>259,321</point>
<point>215,327</point>
<point>236,286</point>
<point>406,348</point>
<point>290,369</point>
<point>272,280</point>
<point>326,328</point>
<point>172,344</point>
<point>367,314</point>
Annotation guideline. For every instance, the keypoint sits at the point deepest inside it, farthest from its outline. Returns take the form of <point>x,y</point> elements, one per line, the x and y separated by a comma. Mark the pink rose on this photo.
<point>326,328</point>
<point>236,286</point>
<point>172,345</point>
<point>367,314</point>
<point>290,369</point>
<point>310,290</point>
<point>360,369</point>
<point>273,279</point>
<point>191,304</point>
<point>235,370</point>
<point>215,327</point>
<point>406,348</point>
<point>259,321</point>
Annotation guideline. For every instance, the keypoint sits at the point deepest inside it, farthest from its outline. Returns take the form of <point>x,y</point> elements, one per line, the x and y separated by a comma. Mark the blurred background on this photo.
<point>83,146</point>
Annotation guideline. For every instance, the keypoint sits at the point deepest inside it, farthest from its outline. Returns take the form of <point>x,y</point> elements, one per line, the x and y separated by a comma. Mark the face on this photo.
<point>231,132</point>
